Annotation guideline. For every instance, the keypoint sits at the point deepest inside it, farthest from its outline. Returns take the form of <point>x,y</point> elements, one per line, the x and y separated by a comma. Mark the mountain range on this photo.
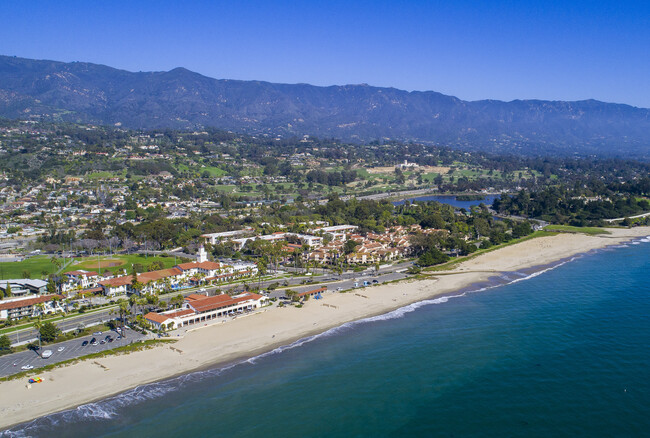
<point>181,99</point>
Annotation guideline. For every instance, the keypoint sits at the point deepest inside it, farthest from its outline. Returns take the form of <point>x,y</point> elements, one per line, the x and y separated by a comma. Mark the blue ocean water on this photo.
<point>562,352</point>
<point>450,200</point>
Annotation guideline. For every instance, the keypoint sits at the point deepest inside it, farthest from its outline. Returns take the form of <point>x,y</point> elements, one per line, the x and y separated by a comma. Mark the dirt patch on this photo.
<point>107,263</point>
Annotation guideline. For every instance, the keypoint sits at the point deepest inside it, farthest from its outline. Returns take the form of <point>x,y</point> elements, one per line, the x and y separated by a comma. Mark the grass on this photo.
<point>37,265</point>
<point>137,346</point>
<point>213,171</point>
<point>569,229</point>
<point>34,265</point>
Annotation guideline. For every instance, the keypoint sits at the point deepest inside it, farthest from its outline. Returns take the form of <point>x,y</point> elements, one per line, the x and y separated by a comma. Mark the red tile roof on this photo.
<point>117,281</point>
<point>28,302</point>
<point>208,266</point>
<point>216,302</point>
<point>313,292</point>
<point>156,317</point>
<point>146,277</point>
<point>82,273</point>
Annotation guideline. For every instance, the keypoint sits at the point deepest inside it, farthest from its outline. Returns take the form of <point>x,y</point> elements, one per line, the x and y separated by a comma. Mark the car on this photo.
<point>46,354</point>
<point>27,367</point>
<point>93,341</point>
<point>119,336</point>
<point>84,343</point>
<point>375,281</point>
<point>107,337</point>
<point>102,342</point>
<point>110,339</point>
<point>97,333</point>
<point>339,289</point>
<point>60,349</point>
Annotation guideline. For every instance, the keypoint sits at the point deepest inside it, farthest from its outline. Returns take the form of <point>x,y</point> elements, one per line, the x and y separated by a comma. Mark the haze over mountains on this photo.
<point>85,92</point>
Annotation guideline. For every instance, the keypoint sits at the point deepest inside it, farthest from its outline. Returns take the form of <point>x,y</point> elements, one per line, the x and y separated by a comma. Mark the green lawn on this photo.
<point>213,171</point>
<point>570,229</point>
<point>100,175</point>
<point>39,264</point>
<point>35,266</point>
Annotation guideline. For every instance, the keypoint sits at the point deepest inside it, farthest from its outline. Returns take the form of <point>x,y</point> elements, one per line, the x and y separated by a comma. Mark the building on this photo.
<point>116,286</point>
<point>215,238</point>
<point>24,287</point>
<point>25,307</point>
<point>80,279</point>
<point>202,308</point>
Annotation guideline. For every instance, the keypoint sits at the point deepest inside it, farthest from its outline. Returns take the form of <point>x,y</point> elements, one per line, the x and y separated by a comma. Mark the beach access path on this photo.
<point>263,331</point>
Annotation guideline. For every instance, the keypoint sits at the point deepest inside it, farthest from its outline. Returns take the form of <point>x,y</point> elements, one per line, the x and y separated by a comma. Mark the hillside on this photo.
<point>183,99</point>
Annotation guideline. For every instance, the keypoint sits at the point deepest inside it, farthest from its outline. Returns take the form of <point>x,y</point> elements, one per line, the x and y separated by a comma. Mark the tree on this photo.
<point>5,345</point>
<point>349,246</point>
<point>26,274</point>
<point>51,286</point>
<point>8,290</point>
<point>48,332</point>
<point>432,257</point>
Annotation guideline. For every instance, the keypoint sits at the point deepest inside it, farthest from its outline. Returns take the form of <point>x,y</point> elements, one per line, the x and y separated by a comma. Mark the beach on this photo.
<point>73,385</point>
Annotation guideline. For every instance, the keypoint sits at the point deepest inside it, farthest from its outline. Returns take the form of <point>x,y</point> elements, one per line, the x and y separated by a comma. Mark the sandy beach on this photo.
<point>86,381</point>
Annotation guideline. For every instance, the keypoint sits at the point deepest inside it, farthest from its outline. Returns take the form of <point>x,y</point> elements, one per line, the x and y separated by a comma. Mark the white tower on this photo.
<point>202,255</point>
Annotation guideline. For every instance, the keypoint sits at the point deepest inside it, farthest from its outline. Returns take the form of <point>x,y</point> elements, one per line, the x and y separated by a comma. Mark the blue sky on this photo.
<point>557,50</point>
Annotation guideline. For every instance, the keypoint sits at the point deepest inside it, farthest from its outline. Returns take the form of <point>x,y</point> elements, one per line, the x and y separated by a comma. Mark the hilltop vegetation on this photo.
<point>181,99</point>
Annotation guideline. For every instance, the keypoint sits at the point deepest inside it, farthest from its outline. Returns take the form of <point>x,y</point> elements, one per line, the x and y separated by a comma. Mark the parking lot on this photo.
<point>13,363</point>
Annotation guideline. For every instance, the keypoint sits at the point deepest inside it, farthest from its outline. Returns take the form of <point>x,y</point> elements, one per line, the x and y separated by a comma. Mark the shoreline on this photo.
<point>239,340</point>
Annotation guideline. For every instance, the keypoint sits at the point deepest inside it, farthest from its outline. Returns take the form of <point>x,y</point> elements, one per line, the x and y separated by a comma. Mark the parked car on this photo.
<point>93,341</point>
<point>102,342</point>
<point>84,343</point>
<point>60,349</point>
<point>46,354</point>
<point>375,281</point>
<point>27,367</point>
<point>97,333</point>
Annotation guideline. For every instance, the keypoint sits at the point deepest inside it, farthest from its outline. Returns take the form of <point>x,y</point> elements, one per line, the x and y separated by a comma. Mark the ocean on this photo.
<point>562,351</point>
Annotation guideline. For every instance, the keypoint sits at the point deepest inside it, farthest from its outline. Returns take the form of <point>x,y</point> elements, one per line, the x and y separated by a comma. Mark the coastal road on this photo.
<point>71,350</point>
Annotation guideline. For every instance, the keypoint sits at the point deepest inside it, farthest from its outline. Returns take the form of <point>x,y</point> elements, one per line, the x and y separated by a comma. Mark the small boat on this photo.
<point>36,380</point>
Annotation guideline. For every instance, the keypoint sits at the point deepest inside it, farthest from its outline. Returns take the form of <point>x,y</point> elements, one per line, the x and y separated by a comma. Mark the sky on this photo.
<point>506,50</point>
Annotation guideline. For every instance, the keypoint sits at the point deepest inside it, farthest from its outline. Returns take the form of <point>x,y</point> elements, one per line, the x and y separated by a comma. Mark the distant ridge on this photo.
<point>182,99</point>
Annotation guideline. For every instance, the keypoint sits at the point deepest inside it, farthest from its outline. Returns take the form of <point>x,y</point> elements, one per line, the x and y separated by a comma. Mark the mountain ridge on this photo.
<point>183,99</point>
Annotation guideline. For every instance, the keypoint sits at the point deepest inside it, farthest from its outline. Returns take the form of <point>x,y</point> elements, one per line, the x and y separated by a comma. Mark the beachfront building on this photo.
<point>201,309</point>
<point>25,307</point>
<point>312,293</point>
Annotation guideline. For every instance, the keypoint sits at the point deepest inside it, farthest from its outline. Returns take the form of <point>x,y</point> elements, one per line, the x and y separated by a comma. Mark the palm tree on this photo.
<point>37,325</point>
